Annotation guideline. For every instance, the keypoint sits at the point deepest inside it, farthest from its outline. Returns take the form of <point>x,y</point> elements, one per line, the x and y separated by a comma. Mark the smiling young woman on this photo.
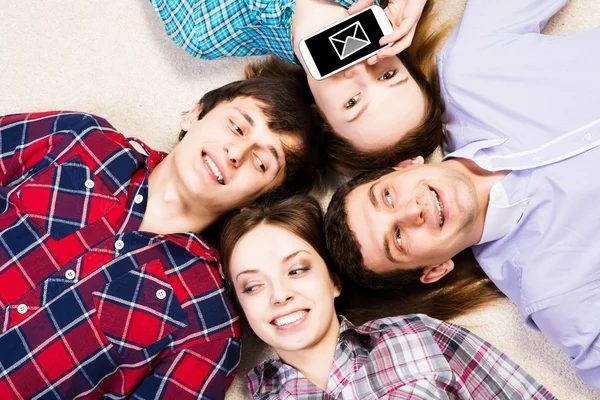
<point>276,261</point>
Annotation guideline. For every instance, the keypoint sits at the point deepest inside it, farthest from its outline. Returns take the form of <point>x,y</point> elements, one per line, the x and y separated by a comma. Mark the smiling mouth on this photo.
<point>440,207</point>
<point>213,167</point>
<point>290,318</point>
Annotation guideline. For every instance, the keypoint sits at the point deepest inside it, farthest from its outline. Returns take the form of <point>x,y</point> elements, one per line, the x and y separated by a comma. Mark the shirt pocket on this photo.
<point>138,309</point>
<point>65,198</point>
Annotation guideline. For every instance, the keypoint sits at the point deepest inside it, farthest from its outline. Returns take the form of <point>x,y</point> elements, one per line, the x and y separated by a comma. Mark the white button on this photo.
<point>89,184</point>
<point>587,137</point>
<point>138,199</point>
<point>535,159</point>
<point>161,294</point>
<point>22,309</point>
<point>70,274</point>
<point>119,244</point>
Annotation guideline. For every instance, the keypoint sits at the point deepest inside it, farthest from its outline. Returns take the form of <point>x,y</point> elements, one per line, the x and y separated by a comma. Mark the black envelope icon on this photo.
<point>349,40</point>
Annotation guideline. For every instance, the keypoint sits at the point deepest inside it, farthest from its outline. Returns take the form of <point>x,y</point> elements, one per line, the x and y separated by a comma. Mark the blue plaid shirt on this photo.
<point>217,28</point>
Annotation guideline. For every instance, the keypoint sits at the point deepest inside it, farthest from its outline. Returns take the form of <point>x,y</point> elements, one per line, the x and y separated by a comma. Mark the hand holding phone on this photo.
<point>345,43</point>
<point>404,16</point>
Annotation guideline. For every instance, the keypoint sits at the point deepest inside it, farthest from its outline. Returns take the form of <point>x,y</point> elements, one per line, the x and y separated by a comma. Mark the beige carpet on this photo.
<point>112,58</point>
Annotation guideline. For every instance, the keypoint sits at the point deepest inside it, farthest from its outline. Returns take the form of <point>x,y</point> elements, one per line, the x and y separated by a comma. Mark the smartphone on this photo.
<point>345,43</point>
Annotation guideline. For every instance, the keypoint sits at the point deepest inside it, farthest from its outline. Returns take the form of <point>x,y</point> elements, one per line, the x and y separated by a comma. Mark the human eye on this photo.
<point>388,197</point>
<point>388,75</point>
<point>352,102</point>
<point>259,163</point>
<point>235,128</point>
<point>251,288</point>
<point>398,237</point>
<point>299,271</point>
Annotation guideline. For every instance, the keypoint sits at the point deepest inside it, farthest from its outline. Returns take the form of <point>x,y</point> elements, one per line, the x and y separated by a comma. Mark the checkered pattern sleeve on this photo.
<point>480,368</point>
<point>217,28</point>
<point>202,371</point>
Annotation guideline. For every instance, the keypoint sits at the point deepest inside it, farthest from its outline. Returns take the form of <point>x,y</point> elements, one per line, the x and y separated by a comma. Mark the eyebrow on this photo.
<point>275,154</point>
<point>248,271</point>
<point>388,252</point>
<point>372,197</point>
<point>285,259</point>
<point>362,110</point>
<point>246,116</point>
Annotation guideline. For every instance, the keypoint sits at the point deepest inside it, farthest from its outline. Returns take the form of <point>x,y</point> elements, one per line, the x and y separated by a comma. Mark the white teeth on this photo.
<point>440,207</point>
<point>289,319</point>
<point>214,169</point>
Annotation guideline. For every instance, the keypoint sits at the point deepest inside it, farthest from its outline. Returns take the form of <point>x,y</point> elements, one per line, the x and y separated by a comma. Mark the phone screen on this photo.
<point>345,42</point>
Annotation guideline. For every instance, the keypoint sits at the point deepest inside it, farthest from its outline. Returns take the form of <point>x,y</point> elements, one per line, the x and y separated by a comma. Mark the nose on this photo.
<point>238,151</point>
<point>281,294</point>
<point>354,70</point>
<point>413,212</point>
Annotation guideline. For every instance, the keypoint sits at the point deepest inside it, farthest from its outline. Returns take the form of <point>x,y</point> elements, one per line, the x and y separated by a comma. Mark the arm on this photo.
<point>485,17</point>
<point>203,371</point>
<point>481,370</point>
<point>574,326</point>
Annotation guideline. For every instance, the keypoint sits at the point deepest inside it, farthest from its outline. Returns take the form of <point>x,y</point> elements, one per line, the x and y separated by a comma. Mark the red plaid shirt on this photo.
<point>410,357</point>
<point>89,305</point>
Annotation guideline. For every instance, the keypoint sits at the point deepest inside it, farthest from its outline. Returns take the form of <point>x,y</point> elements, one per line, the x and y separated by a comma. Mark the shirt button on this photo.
<point>22,309</point>
<point>89,184</point>
<point>138,199</point>
<point>161,294</point>
<point>119,244</point>
<point>70,274</point>
<point>535,159</point>
<point>587,137</point>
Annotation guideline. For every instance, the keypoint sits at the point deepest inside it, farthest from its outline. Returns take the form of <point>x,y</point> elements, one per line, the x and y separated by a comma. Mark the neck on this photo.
<point>483,181</point>
<point>168,210</point>
<point>315,362</point>
<point>311,16</point>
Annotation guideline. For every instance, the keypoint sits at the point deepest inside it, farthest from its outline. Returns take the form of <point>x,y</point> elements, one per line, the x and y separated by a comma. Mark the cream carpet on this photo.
<point>112,58</point>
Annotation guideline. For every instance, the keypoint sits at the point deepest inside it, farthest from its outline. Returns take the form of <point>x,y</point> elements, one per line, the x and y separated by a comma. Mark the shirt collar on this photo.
<point>153,157</point>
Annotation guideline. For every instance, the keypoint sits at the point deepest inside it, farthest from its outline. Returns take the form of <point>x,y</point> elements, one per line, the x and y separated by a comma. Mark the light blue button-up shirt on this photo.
<point>522,101</point>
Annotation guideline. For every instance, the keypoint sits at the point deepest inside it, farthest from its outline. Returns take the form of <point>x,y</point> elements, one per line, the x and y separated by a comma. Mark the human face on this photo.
<point>420,215</point>
<point>229,157</point>
<point>284,288</point>
<point>371,106</point>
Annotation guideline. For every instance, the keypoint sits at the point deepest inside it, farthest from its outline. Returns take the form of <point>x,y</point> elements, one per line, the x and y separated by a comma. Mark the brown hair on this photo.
<point>419,59</point>
<point>301,215</point>
<point>465,288</point>
<point>286,107</point>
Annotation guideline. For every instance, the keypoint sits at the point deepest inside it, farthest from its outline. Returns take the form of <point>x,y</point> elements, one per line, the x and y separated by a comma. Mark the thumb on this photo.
<point>359,6</point>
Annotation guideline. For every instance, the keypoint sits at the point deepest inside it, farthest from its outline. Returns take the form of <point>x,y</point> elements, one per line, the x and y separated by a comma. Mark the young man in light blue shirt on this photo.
<point>518,183</point>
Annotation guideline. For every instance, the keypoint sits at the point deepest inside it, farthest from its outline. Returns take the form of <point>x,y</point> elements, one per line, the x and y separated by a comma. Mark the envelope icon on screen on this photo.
<point>349,40</point>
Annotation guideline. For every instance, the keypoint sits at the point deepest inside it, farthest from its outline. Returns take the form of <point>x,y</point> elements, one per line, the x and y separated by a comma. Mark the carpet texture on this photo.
<point>112,58</point>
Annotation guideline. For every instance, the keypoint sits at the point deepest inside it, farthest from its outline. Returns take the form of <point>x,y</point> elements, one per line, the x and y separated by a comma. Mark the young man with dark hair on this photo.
<point>533,230</point>
<point>106,287</point>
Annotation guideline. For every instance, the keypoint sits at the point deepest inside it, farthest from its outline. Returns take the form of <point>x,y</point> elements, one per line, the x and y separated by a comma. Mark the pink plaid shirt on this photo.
<point>407,357</point>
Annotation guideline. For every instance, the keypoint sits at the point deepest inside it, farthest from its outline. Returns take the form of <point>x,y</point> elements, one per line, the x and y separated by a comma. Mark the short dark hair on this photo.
<point>398,292</point>
<point>286,105</point>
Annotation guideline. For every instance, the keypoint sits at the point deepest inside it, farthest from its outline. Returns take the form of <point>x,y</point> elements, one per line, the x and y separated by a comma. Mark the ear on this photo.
<point>434,273</point>
<point>190,117</point>
<point>337,285</point>
<point>410,161</point>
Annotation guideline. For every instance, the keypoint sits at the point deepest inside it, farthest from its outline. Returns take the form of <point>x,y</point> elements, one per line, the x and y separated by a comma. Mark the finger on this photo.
<point>359,6</point>
<point>404,29</point>
<point>398,47</point>
<point>372,60</point>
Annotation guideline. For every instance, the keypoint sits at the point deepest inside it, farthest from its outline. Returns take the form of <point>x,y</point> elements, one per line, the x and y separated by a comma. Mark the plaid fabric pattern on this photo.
<point>217,28</point>
<point>91,307</point>
<point>406,357</point>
